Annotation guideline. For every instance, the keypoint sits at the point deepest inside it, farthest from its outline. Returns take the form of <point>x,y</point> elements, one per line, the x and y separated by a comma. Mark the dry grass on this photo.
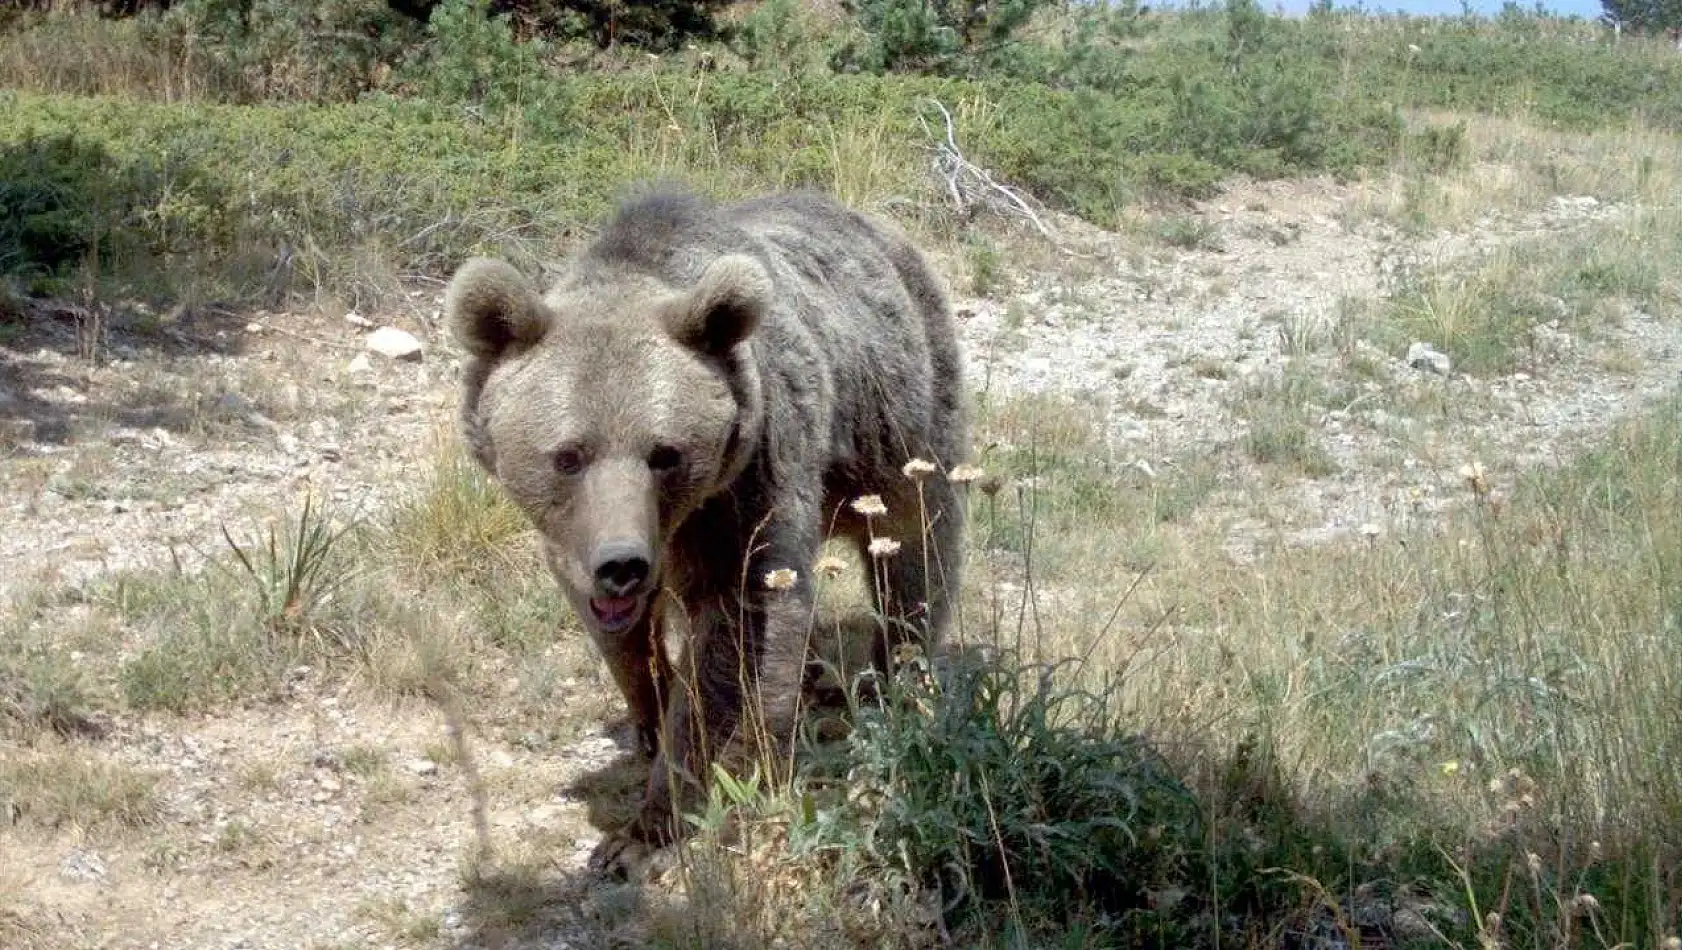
<point>402,924</point>
<point>1493,690</point>
<point>1513,165</point>
<point>1507,308</point>
<point>457,522</point>
<point>1575,563</point>
<point>22,925</point>
<point>56,785</point>
<point>54,55</point>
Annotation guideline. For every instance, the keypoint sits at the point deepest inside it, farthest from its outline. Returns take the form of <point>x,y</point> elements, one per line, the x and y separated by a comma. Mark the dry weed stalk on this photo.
<point>972,187</point>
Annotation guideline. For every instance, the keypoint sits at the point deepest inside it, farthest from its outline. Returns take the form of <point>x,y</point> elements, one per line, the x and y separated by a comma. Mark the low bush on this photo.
<point>250,202</point>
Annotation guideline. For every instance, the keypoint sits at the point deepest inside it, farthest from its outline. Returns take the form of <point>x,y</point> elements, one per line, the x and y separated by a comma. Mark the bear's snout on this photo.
<point>621,567</point>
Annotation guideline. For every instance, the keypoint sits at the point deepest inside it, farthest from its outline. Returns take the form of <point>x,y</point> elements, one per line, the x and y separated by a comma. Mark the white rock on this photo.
<point>360,364</point>
<point>393,343</point>
<point>82,865</point>
<point>1424,356</point>
<point>358,320</point>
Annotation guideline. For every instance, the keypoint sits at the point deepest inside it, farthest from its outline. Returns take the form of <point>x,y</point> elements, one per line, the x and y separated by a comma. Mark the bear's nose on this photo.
<point>621,567</point>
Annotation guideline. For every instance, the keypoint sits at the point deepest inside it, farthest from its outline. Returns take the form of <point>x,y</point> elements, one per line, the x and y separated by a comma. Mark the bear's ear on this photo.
<point>725,306</point>
<point>491,306</point>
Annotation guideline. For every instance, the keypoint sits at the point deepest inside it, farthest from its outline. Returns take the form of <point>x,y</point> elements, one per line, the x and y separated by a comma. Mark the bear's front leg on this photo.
<point>702,711</point>
<point>637,658</point>
<point>745,668</point>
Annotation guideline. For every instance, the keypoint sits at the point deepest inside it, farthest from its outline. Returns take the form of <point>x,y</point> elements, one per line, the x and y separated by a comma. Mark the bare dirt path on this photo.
<point>1170,344</point>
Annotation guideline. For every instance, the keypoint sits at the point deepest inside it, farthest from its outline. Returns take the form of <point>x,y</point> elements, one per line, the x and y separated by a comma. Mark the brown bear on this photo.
<point>687,414</point>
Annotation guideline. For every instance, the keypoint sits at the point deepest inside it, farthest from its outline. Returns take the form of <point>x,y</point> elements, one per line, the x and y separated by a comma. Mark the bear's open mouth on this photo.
<point>615,613</point>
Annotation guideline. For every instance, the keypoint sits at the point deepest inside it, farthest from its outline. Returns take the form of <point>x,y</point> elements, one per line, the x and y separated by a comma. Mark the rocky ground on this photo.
<point>337,821</point>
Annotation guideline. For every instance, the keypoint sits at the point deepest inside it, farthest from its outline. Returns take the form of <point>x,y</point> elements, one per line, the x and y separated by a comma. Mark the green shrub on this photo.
<point>71,209</point>
<point>473,57</point>
<point>281,50</point>
<point>1090,50</point>
<point>1656,17</point>
<point>1501,68</point>
<point>1179,174</point>
<point>1247,29</point>
<point>49,192</point>
<point>779,35</point>
<point>932,36</point>
<point>1439,147</point>
<point>653,24</point>
<point>999,782</point>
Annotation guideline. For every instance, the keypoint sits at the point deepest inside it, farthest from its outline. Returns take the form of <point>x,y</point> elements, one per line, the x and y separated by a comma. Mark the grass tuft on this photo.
<point>458,524</point>
<point>44,687</point>
<point>61,786</point>
<point>234,628</point>
<point>294,574</point>
<point>1283,414</point>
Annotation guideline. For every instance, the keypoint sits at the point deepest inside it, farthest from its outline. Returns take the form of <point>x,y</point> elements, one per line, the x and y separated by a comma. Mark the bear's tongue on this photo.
<point>613,610</point>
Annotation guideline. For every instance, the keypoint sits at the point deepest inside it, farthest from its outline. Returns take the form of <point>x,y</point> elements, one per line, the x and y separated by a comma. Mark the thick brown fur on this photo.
<point>717,382</point>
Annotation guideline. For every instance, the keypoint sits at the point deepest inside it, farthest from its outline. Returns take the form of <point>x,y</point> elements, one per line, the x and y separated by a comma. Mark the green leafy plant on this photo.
<point>294,574</point>
<point>473,56</point>
<point>999,781</point>
<point>933,36</point>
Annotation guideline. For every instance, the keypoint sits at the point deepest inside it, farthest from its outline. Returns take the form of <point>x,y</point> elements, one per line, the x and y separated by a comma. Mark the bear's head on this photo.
<point>609,410</point>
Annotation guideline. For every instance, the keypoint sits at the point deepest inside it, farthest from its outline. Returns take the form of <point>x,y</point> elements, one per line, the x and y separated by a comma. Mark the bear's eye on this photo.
<point>664,458</point>
<point>569,460</point>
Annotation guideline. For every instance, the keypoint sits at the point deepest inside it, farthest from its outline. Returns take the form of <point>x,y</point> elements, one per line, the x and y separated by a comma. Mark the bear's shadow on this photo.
<point>563,903</point>
<point>612,791</point>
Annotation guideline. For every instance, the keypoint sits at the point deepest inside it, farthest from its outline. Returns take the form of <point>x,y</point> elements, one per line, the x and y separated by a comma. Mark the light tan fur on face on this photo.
<point>556,361</point>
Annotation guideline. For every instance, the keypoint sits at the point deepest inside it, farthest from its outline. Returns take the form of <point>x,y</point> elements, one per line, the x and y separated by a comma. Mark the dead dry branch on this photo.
<point>972,188</point>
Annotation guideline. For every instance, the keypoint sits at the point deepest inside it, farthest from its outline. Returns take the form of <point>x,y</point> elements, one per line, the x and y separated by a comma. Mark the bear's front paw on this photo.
<point>623,856</point>
<point>638,848</point>
<point>620,857</point>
